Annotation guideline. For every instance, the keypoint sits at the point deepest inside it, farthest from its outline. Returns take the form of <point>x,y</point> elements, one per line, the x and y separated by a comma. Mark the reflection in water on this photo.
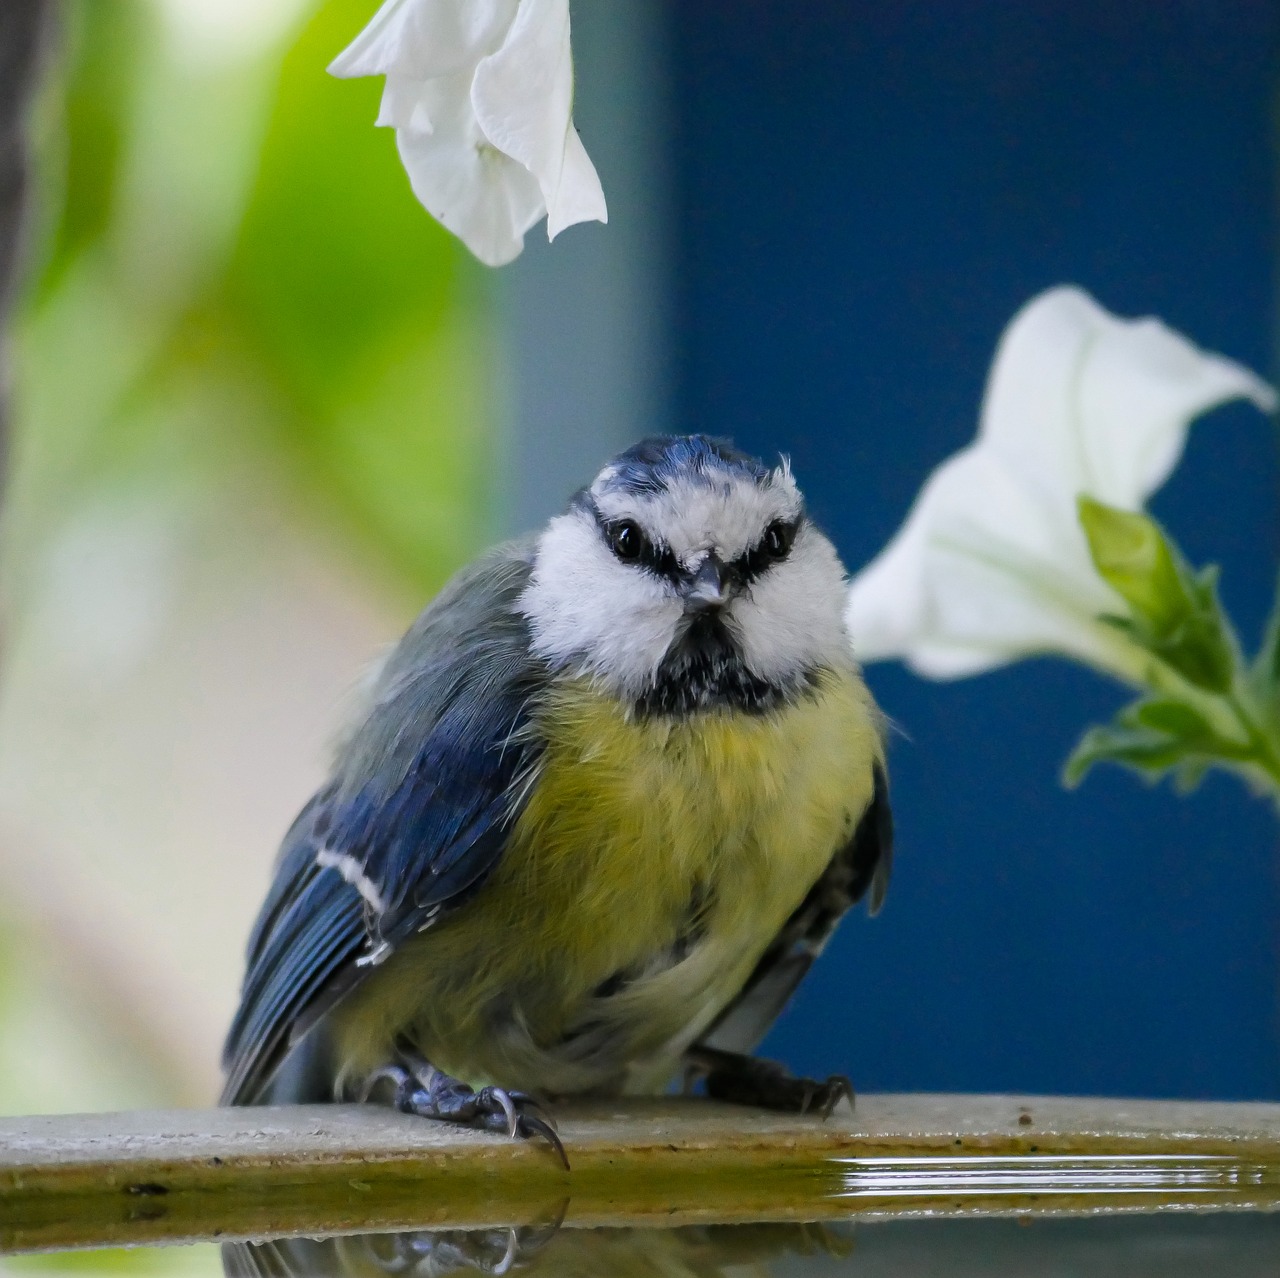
<point>966,1215</point>
<point>1218,1244</point>
<point>712,1251</point>
<point>1173,1177</point>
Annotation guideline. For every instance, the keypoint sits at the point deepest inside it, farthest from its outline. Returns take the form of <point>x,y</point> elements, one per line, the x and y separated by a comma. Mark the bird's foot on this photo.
<point>414,1086</point>
<point>440,1252</point>
<point>430,1253</point>
<point>750,1080</point>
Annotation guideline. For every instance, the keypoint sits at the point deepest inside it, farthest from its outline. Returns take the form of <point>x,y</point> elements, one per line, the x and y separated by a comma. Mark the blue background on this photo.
<point>866,195</point>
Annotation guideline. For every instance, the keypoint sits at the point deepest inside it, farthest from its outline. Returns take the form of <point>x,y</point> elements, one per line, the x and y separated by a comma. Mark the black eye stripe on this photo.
<point>761,557</point>
<point>653,556</point>
<point>658,558</point>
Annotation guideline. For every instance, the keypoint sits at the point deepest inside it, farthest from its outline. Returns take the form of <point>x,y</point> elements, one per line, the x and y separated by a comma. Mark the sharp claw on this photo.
<point>549,1229</point>
<point>509,1256</point>
<point>532,1126</point>
<point>531,1105</point>
<point>749,1080</point>
<point>841,1088</point>
<point>423,1089</point>
<point>508,1108</point>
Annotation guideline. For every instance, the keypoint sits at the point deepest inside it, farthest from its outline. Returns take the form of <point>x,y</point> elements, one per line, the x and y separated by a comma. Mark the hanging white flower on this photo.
<point>992,563</point>
<point>480,94</point>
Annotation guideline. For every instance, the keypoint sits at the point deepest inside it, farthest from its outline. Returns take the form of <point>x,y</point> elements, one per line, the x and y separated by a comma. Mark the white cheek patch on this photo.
<point>589,612</point>
<point>728,513</point>
<point>790,618</point>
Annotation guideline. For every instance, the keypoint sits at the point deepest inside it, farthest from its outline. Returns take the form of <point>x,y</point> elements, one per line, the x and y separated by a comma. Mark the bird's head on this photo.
<point>688,576</point>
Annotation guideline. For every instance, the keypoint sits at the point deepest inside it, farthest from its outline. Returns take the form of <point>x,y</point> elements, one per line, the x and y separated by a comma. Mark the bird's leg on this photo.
<point>414,1086</point>
<point>750,1080</point>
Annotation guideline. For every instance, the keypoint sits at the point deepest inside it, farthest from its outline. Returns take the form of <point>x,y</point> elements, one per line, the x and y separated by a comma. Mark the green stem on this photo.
<point>1231,713</point>
<point>1264,749</point>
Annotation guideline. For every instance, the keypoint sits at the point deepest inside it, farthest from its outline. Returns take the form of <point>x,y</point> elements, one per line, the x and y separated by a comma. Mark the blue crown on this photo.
<point>650,466</point>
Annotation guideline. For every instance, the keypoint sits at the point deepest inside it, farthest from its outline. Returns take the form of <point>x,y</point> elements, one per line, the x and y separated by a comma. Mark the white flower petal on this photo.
<point>404,105</point>
<point>523,99</point>
<point>991,563</point>
<point>425,38</point>
<point>1087,402</point>
<point>1029,411</point>
<point>485,198</point>
<point>985,568</point>
<point>889,610</point>
<point>374,50</point>
<point>579,197</point>
<point>1142,387</point>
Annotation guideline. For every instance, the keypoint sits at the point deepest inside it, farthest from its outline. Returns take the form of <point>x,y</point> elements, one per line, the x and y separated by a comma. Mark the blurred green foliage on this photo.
<point>233,268</point>
<point>170,1262</point>
<point>96,95</point>
<point>234,304</point>
<point>363,313</point>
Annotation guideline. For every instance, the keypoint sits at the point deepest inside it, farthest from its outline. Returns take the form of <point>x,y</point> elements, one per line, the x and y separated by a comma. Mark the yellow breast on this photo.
<point>655,857</point>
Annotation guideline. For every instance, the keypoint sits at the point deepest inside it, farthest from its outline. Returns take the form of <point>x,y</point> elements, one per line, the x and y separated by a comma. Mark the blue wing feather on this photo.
<point>420,801</point>
<point>325,932</point>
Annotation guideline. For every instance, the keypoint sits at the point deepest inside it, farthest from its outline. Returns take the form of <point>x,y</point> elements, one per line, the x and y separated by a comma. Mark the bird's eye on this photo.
<point>626,540</point>
<point>778,538</point>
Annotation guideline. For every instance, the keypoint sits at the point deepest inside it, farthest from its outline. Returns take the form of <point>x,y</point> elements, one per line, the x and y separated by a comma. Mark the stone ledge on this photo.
<point>169,1176</point>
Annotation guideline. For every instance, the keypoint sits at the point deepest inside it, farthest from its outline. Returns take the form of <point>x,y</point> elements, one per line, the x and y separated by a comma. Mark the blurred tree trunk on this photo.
<point>23,27</point>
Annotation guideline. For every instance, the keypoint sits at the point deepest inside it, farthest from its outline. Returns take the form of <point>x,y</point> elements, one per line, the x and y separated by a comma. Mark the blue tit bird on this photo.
<point>610,796</point>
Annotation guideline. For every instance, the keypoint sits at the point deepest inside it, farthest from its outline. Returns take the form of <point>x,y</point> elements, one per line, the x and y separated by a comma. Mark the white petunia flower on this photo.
<point>992,563</point>
<point>480,94</point>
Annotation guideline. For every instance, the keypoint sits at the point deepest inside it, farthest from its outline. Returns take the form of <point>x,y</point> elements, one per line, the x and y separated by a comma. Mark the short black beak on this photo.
<point>712,586</point>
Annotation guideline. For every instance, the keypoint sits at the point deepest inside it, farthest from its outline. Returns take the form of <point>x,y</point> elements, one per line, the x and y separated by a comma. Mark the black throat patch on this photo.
<point>704,670</point>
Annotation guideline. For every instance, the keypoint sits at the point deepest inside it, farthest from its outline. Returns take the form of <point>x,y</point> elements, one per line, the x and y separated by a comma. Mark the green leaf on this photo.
<point>1188,775</point>
<point>1176,614</point>
<point>1264,676</point>
<point>1133,556</point>
<point>1146,751</point>
<point>1174,718</point>
<point>1152,736</point>
<point>1201,649</point>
